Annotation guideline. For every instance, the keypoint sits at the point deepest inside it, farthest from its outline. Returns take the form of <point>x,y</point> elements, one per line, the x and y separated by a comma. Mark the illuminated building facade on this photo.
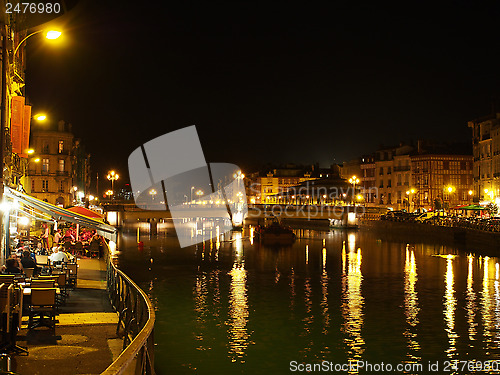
<point>263,186</point>
<point>59,167</point>
<point>447,177</point>
<point>486,152</point>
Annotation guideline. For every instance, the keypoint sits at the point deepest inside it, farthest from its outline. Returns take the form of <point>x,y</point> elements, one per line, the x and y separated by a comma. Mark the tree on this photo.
<point>492,208</point>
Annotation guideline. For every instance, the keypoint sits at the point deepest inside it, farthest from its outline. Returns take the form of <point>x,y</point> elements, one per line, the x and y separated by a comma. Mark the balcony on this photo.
<point>62,173</point>
<point>402,168</point>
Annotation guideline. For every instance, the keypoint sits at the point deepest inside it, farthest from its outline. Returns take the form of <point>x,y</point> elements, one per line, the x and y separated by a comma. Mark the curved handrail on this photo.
<point>142,343</point>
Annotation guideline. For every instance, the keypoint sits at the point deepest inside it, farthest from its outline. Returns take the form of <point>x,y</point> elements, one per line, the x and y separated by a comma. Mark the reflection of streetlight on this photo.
<point>153,193</point>
<point>192,188</point>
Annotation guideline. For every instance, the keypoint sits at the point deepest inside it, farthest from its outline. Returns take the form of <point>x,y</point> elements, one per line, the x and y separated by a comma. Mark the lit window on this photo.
<point>45,185</point>
<point>61,165</point>
<point>60,148</point>
<point>45,165</point>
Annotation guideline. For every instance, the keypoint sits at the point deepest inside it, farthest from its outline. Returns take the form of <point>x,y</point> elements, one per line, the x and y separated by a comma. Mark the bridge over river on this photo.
<point>119,214</point>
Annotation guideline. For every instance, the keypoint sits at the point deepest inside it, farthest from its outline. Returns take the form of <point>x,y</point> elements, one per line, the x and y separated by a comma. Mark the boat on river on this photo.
<point>275,234</point>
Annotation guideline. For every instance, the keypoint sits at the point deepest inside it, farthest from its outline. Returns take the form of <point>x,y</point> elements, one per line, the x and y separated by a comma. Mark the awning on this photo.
<point>60,214</point>
<point>473,207</point>
<point>86,212</point>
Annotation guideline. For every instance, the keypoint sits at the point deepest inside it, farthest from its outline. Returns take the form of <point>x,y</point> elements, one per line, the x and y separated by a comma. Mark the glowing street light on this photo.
<point>50,34</point>
<point>40,117</point>
<point>112,176</point>
<point>53,34</point>
<point>410,200</point>
<point>354,180</point>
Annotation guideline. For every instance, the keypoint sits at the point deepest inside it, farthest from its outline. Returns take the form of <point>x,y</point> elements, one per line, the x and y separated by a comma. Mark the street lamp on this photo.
<point>40,117</point>
<point>51,35</point>
<point>353,180</point>
<point>410,200</point>
<point>112,176</point>
<point>450,189</point>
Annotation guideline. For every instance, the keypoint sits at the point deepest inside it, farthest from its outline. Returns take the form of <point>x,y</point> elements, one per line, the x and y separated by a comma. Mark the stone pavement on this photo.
<point>85,340</point>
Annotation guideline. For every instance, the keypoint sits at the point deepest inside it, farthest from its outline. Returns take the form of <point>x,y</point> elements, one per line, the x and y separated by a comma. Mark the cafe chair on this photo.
<point>62,283</point>
<point>36,283</point>
<point>7,279</point>
<point>28,272</point>
<point>72,274</point>
<point>11,306</point>
<point>42,277</point>
<point>42,311</point>
<point>5,313</point>
<point>42,260</point>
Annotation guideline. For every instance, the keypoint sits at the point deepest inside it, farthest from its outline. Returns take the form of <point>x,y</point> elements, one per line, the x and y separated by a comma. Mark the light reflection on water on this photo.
<point>411,306</point>
<point>352,301</point>
<point>232,306</point>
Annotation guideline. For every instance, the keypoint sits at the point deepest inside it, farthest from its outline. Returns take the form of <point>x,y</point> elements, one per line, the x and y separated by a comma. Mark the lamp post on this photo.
<point>353,180</point>
<point>113,176</point>
<point>410,198</point>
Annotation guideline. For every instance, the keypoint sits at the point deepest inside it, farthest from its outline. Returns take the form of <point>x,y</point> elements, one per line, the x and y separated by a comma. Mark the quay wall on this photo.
<point>465,238</point>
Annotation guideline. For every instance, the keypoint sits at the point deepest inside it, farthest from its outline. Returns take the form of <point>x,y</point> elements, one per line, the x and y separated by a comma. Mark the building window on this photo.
<point>61,165</point>
<point>60,147</point>
<point>45,147</point>
<point>381,170</point>
<point>45,165</point>
<point>32,186</point>
<point>45,185</point>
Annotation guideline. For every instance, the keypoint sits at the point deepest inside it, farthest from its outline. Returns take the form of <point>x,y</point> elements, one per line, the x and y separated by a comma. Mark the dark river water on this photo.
<point>331,299</point>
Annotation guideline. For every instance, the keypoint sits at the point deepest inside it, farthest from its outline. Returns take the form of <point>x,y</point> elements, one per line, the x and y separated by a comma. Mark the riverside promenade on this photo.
<point>84,341</point>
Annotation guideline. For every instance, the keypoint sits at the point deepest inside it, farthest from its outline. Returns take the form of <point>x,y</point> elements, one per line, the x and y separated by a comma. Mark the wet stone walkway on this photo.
<point>84,341</point>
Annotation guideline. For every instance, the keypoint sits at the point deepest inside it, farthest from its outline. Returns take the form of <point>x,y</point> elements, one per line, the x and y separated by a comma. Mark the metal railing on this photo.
<point>135,324</point>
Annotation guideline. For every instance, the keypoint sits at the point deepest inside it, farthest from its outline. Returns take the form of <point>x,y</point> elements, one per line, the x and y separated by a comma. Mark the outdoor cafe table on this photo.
<point>27,291</point>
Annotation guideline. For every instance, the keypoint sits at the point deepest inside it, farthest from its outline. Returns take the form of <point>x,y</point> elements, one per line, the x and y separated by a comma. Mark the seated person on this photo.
<point>28,262</point>
<point>17,261</point>
<point>58,255</point>
<point>11,267</point>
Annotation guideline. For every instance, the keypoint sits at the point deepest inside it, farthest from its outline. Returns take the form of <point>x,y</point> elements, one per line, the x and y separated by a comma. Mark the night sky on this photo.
<point>265,82</point>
